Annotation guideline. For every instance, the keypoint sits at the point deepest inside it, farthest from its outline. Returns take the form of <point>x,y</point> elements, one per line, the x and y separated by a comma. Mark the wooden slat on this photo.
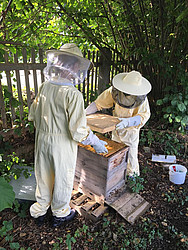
<point>79,200</point>
<point>74,192</point>
<point>119,203</point>
<point>18,82</point>
<point>92,77</point>
<point>96,71</point>
<point>118,177</point>
<point>140,210</point>
<point>34,72</point>
<point>99,211</point>
<point>84,83</point>
<point>102,123</point>
<point>129,205</point>
<point>9,83</point>
<point>87,206</point>
<point>84,189</point>
<point>22,66</point>
<point>26,73</point>
<point>41,62</point>
<point>88,209</point>
<point>2,108</point>
<point>88,85</point>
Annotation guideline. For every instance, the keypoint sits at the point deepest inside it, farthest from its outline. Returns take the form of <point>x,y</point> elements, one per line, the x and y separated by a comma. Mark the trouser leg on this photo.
<point>130,137</point>
<point>44,174</point>
<point>64,165</point>
<point>132,162</point>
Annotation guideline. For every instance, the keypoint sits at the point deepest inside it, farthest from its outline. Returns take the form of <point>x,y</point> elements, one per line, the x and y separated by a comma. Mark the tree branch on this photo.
<point>5,11</point>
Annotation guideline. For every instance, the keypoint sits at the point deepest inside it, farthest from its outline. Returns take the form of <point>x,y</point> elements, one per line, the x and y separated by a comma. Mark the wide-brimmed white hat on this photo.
<point>132,83</point>
<point>71,49</point>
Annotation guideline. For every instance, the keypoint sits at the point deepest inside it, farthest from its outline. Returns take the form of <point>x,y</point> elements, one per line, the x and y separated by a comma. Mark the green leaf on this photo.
<point>174,102</point>
<point>182,15</point>
<point>18,5</point>
<point>185,119</point>
<point>170,120</point>
<point>178,118</point>
<point>166,116</point>
<point>7,195</point>
<point>182,107</point>
<point>159,102</point>
<point>14,245</point>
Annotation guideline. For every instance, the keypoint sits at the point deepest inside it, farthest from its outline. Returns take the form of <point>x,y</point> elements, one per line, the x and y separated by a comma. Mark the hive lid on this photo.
<point>102,123</point>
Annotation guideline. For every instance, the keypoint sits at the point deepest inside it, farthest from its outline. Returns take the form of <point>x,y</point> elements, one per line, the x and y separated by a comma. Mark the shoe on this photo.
<point>58,221</point>
<point>40,220</point>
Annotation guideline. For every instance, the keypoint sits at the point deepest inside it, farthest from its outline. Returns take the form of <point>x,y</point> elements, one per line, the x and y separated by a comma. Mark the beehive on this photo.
<point>100,174</point>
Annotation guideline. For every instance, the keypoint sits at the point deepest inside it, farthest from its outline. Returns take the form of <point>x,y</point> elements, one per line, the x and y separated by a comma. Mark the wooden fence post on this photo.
<point>104,70</point>
<point>2,107</point>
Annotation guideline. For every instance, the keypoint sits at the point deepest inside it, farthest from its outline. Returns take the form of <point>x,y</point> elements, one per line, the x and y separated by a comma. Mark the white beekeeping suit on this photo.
<point>60,121</point>
<point>128,97</point>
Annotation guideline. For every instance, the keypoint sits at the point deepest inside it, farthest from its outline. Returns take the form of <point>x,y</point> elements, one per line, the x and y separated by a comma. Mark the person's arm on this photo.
<point>129,122</point>
<point>103,101</point>
<point>96,143</point>
<point>78,128</point>
<point>139,118</point>
<point>91,109</point>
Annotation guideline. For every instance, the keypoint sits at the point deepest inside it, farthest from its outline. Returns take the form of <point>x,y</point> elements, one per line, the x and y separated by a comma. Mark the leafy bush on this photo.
<point>166,142</point>
<point>175,105</point>
<point>7,195</point>
<point>12,100</point>
<point>135,183</point>
<point>8,170</point>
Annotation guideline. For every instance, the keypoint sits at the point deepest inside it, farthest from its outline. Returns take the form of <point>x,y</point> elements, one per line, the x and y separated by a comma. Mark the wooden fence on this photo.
<point>26,87</point>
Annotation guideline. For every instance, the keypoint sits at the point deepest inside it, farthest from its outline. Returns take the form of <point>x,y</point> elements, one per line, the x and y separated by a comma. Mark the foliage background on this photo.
<point>149,35</point>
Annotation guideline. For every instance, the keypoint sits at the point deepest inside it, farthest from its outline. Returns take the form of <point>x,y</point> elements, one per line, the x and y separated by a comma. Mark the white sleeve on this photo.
<point>91,109</point>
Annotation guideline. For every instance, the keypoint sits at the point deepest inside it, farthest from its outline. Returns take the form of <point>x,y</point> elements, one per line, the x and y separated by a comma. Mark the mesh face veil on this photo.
<point>126,100</point>
<point>65,66</point>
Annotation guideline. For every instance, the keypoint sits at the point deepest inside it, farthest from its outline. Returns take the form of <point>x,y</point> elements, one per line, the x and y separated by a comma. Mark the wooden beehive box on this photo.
<point>100,174</point>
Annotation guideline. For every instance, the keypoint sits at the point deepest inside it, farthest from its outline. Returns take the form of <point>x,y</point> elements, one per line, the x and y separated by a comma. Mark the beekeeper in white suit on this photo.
<point>128,96</point>
<point>60,121</point>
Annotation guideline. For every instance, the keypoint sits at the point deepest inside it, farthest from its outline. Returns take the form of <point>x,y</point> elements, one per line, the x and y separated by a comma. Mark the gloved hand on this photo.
<point>100,147</point>
<point>91,109</point>
<point>124,123</point>
<point>96,143</point>
<point>129,122</point>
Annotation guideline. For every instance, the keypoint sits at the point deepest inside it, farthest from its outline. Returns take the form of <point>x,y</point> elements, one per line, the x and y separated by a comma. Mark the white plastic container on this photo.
<point>177,173</point>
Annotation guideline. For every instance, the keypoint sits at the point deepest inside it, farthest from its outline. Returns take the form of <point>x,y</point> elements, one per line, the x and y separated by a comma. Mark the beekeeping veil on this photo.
<point>130,89</point>
<point>67,63</point>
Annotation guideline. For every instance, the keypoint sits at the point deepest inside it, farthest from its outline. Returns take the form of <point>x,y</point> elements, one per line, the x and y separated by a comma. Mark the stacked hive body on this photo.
<point>100,178</point>
<point>101,174</point>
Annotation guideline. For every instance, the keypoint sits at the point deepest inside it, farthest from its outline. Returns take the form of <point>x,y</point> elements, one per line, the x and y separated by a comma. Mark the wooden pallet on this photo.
<point>86,206</point>
<point>129,205</point>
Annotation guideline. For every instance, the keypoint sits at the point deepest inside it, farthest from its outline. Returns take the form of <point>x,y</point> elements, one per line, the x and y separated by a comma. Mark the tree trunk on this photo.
<point>104,70</point>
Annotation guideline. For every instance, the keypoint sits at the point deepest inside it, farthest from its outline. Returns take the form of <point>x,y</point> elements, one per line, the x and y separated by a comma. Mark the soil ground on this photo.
<point>163,226</point>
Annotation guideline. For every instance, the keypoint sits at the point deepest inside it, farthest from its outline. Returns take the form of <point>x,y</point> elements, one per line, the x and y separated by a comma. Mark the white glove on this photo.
<point>128,122</point>
<point>91,109</point>
<point>98,145</point>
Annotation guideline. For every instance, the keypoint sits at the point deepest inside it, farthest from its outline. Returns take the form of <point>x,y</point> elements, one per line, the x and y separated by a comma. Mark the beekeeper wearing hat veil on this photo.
<point>128,96</point>
<point>60,121</point>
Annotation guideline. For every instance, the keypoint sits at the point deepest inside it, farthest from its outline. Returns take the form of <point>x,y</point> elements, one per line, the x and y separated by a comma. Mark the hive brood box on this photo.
<point>100,174</point>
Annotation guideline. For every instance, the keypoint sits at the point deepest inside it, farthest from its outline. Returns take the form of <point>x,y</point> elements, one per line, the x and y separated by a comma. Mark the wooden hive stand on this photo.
<point>86,206</point>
